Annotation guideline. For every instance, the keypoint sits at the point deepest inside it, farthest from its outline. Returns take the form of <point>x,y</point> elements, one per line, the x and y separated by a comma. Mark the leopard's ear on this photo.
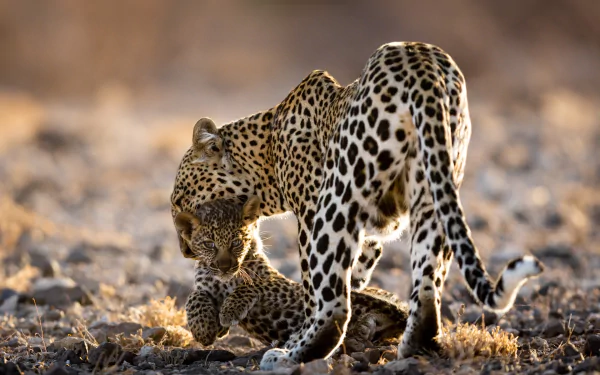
<point>185,223</point>
<point>205,131</point>
<point>251,210</point>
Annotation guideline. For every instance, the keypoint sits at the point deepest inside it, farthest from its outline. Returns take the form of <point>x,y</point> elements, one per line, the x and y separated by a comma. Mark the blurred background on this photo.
<point>98,101</point>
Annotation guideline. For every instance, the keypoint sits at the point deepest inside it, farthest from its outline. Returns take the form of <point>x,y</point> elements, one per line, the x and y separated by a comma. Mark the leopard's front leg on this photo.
<point>327,257</point>
<point>203,318</point>
<point>236,306</point>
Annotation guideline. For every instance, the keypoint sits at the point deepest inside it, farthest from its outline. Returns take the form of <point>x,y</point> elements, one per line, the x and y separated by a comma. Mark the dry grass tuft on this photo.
<point>158,313</point>
<point>464,341</point>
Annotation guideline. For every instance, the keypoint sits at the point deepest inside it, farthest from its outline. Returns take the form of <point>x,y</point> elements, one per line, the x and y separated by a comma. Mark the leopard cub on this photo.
<point>236,284</point>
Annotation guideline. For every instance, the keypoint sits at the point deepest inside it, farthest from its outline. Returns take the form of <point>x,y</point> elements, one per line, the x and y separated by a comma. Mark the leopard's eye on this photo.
<point>215,148</point>
<point>237,242</point>
<point>209,245</point>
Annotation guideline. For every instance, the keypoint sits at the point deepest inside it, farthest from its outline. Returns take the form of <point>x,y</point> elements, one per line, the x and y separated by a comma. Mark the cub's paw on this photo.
<point>230,316</point>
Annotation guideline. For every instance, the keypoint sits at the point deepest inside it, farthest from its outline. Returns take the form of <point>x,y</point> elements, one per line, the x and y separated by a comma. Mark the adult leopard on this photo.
<point>355,164</point>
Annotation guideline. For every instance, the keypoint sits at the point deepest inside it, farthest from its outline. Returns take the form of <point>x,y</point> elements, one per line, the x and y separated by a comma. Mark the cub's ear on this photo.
<point>251,210</point>
<point>185,224</point>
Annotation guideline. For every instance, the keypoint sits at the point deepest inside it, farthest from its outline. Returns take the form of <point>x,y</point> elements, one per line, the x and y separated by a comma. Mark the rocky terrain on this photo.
<point>91,279</point>
<point>97,108</point>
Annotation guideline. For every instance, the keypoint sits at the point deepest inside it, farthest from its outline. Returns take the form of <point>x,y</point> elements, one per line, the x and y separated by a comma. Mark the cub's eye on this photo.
<point>209,244</point>
<point>215,148</point>
<point>237,242</point>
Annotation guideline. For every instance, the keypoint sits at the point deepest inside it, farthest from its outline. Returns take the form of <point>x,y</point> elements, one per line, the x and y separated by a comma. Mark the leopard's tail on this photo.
<point>433,123</point>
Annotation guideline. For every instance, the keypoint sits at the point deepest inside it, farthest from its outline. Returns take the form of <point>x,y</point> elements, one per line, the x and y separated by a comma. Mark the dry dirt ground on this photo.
<point>89,258</point>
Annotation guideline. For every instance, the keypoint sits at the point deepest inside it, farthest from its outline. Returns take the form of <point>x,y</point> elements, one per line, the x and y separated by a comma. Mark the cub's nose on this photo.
<point>224,264</point>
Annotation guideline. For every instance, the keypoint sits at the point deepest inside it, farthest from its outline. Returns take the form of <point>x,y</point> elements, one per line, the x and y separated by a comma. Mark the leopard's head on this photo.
<point>220,234</point>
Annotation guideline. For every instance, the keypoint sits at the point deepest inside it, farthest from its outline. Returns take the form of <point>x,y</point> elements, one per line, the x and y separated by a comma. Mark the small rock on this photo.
<point>403,366</point>
<point>554,328</point>
<point>57,369</point>
<point>373,355</point>
<point>15,342</point>
<point>569,350</point>
<point>9,306</point>
<point>592,345</point>
<point>359,356</point>
<point>10,368</point>
<point>155,334</point>
<point>106,354</point>
<point>53,315</point>
<point>594,321</point>
<point>208,355</point>
<point>588,365</point>
<point>346,360</point>
<point>316,367</point>
<point>6,293</point>
<point>65,355</point>
<point>389,355</point>
<point>104,331</point>
<point>79,255</point>
<point>48,267</point>
<point>59,296</point>
<point>360,367</point>
<point>539,343</point>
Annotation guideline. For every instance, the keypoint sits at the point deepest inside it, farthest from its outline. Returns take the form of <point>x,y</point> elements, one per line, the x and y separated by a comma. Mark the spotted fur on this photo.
<point>355,164</point>
<point>248,291</point>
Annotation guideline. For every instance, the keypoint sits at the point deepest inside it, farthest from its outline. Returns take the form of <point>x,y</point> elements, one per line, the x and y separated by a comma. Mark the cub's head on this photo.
<point>220,234</point>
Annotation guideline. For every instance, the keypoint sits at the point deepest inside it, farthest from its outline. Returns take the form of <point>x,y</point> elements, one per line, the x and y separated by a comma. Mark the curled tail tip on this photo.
<point>526,266</point>
<point>516,273</point>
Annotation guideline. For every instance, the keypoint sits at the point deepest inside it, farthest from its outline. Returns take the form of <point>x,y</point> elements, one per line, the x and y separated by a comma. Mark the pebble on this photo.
<point>554,328</point>
<point>69,356</point>
<point>48,267</point>
<point>403,366</point>
<point>14,342</point>
<point>79,255</point>
<point>346,360</point>
<point>102,331</point>
<point>6,293</point>
<point>588,365</point>
<point>9,368</point>
<point>53,315</point>
<point>316,367</point>
<point>570,350</point>
<point>373,355</point>
<point>592,345</point>
<point>539,343</point>
<point>106,354</point>
<point>57,369</point>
